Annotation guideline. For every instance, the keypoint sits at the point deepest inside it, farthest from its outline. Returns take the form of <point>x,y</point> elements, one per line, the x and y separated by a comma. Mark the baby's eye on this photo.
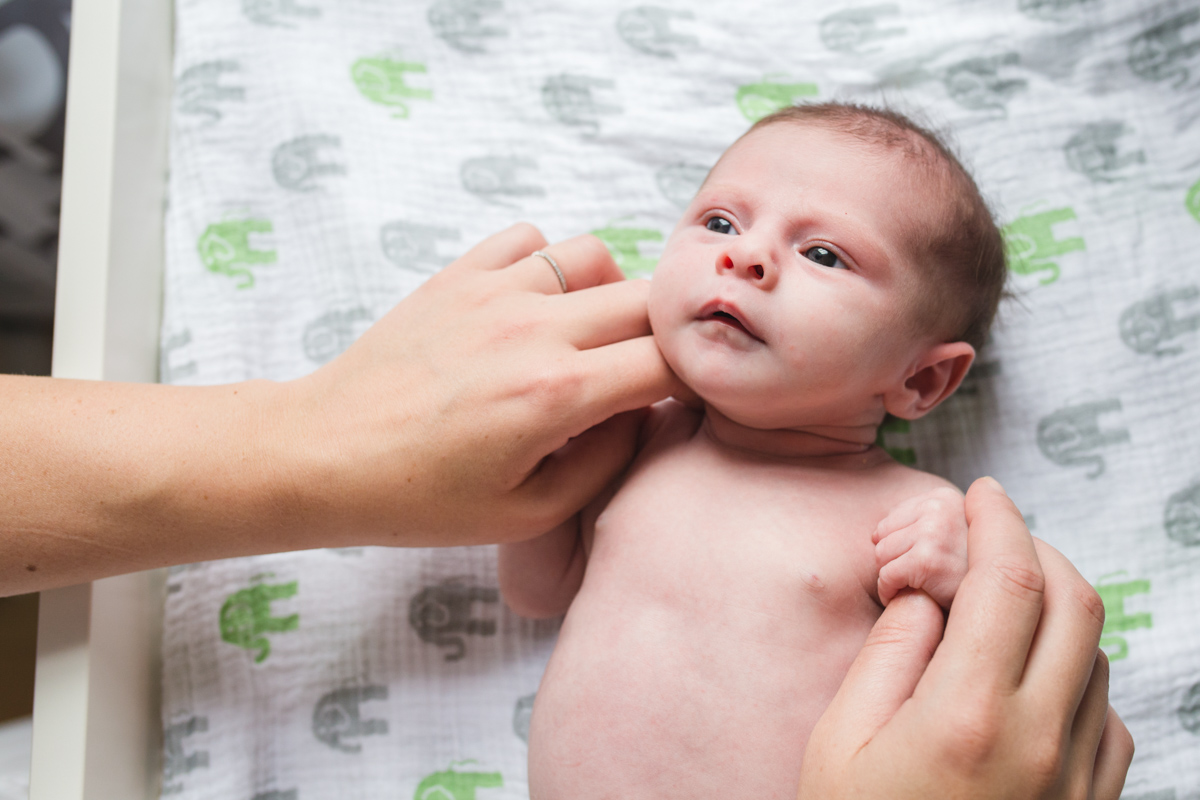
<point>720,225</point>
<point>824,256</point>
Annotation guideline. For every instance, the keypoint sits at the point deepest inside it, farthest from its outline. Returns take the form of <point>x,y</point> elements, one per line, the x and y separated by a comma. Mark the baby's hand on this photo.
<point>922,544</point>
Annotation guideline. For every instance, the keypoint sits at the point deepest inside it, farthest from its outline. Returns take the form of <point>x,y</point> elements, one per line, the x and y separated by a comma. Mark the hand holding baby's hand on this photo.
<point>922,544</point>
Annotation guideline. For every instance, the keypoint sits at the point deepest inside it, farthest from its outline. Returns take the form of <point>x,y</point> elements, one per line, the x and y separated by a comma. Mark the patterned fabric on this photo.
<point>327,157</point>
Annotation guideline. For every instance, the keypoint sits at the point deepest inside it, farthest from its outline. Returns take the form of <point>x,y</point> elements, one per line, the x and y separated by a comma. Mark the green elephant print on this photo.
<point>1031,247</point>
<point>1181,519</point>
<point>460,23</point>
<point>225,249</point>
<point>757,100</point>
<point>453,785</point>
<point>1147,324</point>
<point>1095,151</point>
<point>890,424</point>
<point>337,719</point>
<point>647,29</point>
<point>246,617</point>
<point>1160,53</point>
<point>382,80</point>
<point>1072,436</point>
<point>850,30</point>
<point>623,244</point>
<point>1116,620</point>
<point>1192,201</point>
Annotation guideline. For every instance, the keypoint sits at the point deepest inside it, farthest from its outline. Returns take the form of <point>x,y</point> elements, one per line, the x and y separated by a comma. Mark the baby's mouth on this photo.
<point>728,318</point>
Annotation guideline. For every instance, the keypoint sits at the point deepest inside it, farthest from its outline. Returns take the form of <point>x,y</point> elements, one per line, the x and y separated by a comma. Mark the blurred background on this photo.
<point>33,76</point>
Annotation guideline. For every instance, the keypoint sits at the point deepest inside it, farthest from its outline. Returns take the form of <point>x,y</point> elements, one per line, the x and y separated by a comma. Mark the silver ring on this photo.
<point>562,280</point>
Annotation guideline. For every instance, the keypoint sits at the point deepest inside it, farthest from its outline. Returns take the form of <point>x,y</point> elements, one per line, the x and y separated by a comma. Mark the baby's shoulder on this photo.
<point>902,482</point>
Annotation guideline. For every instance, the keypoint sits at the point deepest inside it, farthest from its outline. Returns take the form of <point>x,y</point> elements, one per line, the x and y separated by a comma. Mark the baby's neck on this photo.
<point>815,441</point>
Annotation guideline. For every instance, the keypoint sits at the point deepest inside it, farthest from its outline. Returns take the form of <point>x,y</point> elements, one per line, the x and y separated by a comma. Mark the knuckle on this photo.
<point>1020,577</point>
<point>972,733</point>
<point>529,236</point>
<point>594,250</point>
<point>1090,600</point>
<point>1046,759</point>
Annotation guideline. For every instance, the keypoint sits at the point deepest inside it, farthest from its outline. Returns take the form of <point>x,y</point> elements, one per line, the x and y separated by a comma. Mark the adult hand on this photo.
<point>465,415</point>
<point>448,422</point>
<point>1013,701</point>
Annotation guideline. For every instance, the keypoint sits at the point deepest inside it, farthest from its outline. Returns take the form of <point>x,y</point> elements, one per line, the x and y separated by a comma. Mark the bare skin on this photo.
<point>727,583</point>
<point>445,424</point>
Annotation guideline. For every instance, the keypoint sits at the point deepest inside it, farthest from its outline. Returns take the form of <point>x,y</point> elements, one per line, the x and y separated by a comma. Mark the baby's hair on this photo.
<point>962,254</point>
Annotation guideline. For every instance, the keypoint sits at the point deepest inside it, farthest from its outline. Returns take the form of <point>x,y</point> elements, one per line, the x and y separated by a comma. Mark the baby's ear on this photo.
<point>933,378</point>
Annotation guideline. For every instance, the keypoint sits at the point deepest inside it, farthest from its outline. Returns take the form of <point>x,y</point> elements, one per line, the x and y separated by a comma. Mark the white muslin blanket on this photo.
<point>326,157</point>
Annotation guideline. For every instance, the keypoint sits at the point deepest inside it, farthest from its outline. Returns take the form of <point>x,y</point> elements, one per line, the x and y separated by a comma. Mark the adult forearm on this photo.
<point>105,478</point>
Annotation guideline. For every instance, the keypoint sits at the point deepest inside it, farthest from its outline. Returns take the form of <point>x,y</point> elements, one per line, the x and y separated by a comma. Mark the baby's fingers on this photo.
<point>902,516</point>
<point>894,545</point>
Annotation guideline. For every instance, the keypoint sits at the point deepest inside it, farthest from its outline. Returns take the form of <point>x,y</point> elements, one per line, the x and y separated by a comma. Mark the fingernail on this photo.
<point>995,483</point>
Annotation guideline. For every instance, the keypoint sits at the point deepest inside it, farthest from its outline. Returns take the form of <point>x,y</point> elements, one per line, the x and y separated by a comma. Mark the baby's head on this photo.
<point>837,263</point>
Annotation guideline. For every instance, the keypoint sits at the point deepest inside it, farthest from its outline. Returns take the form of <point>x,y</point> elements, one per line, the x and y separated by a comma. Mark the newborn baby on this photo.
<point>837,265</point>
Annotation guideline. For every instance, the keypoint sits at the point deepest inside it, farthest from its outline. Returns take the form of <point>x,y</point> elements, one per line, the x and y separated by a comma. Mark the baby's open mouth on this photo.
<point>728,318</point>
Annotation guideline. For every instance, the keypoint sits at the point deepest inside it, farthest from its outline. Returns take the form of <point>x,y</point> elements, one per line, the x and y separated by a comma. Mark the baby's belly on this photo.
<point>703,692</point>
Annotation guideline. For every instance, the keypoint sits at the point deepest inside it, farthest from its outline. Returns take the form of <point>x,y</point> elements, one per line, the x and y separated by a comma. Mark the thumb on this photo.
<point>887,669</point>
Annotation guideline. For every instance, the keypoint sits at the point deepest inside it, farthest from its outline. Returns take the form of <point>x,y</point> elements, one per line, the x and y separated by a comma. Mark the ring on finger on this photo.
<point>562,280</point>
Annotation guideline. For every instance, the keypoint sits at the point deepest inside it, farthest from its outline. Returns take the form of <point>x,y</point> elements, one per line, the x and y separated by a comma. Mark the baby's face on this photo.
<point>783,295</point>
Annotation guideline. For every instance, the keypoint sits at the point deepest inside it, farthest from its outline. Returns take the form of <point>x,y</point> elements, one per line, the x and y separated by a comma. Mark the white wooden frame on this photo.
<point>96,723</point>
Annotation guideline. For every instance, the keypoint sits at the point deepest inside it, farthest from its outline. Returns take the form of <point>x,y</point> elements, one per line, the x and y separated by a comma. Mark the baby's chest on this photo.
<point>689,524</point>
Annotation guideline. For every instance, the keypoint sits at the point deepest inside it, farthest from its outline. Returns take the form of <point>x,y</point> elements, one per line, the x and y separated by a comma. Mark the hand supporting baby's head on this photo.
<point>838,263</point>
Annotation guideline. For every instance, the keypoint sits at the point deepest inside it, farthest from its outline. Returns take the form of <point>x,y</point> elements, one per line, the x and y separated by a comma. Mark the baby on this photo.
<point>837,265</point>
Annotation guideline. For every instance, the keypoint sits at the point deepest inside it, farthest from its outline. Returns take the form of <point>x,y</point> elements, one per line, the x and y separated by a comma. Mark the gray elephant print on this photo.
<point>441,614</point>
<point>522,714</point>
<point>680,182</point>
<point>297,165</point>
<point>460,23</point>
<point>176,761</point>
<point>495,178</point>
<point>328,336</point>
<point>1181,518</point>
<point>277,13</point>
<point>571,100</point>
<point>1095,151</point>
<point>199,93</point>
<point>338,721</point>
<point>647,29</point>
<point>976,83</point>
<point>1052,9</point>
<point>1147,324</point>
<point>1189,710</point>
<point>852,29</point>
<point>414,246</point>
<point>167,372</point>
<point>1072,436</point>
<point>277,794</point>
<point>1160,53</point>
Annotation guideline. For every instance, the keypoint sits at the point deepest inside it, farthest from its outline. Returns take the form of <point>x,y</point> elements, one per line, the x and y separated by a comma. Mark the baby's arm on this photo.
<point>922,544</point>
<point>539,577</point>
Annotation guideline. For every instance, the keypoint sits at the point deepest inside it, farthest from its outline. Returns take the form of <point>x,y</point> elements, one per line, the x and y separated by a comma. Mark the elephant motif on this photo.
<point>849,30</point>
<point>246,617</point>
<point>460,23</point>
<point>647,29</point>
<point>337,718</point>
<point>441,614</point>
<point>296,164</point>
<point>1071,436</point>
<point>1148,323</point>
<point>225,249</point>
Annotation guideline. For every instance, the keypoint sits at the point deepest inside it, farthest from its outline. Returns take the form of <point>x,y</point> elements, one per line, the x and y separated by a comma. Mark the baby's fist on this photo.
<point>922,544</point>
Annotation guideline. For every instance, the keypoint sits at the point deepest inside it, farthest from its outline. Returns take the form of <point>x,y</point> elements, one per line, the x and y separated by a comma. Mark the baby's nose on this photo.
<point>755,270</point>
